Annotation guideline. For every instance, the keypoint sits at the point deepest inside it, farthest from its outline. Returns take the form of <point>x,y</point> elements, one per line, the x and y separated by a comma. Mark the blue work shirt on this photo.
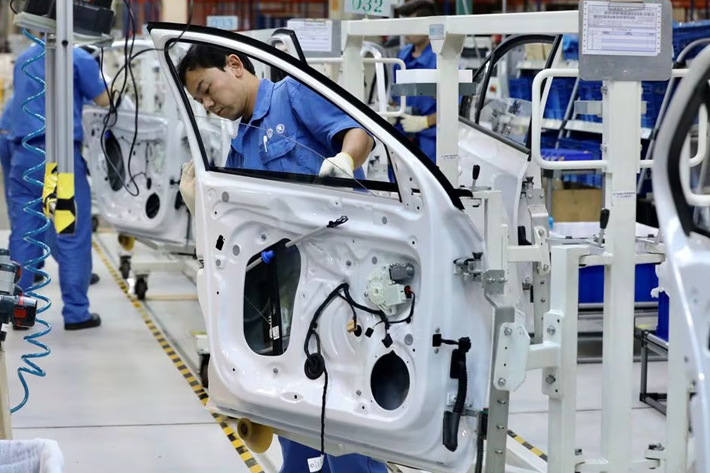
<point>88,85</point>
<point>292,129</point>
<point>426,139</point>
<point>7,115</point>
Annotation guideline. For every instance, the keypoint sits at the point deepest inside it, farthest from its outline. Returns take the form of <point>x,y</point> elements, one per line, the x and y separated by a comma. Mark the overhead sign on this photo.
<point>223,22</point>
<point>369,7</point>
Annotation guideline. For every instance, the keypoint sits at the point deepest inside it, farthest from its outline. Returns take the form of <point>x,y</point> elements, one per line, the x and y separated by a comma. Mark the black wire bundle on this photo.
<point>127,69</point>
<point>315,363</point>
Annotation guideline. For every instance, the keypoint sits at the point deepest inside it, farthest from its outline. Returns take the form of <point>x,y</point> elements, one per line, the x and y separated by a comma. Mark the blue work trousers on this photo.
<point>296,458</point>
<point>72,252</point>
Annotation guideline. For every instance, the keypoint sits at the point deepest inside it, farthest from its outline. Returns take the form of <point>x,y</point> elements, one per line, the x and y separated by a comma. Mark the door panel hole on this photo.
<point>389,381</point>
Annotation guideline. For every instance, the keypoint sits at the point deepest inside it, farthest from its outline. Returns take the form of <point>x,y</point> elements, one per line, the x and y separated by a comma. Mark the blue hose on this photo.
<point>30,208</point>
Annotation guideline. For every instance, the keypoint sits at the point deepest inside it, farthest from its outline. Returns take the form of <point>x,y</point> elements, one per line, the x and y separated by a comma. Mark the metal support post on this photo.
<point>5,423</point>
<point>621,148</point>
<point>64,74</point>
<point>50,99</point>
<point>496,446</point>
<point>677,415</point>
<point>560,383</point>
<point>353,72</point>
<point>448,53</point>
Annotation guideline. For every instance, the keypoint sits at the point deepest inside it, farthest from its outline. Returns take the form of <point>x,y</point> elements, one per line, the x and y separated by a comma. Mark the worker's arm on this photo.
<point>102,100</point>
<point>358,144</point>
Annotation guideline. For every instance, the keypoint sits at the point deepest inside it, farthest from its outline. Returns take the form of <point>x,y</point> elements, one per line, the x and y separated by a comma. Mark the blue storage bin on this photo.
<point>520,88</point>
<point>590,91</point>
<point>653,93</point>
<point>663,316</point>
<point>686,33</point>
<point>562,154</point>
<point>559,97</point>
<point>591,283</point>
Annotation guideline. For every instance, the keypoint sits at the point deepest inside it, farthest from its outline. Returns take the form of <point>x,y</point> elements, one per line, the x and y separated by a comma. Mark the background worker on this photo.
<point>72,252</point>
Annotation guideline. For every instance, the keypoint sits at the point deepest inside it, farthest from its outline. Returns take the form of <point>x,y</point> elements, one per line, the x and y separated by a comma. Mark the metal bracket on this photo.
<point>511,359</point>
<point>552,332</point>
<point>494,281</point>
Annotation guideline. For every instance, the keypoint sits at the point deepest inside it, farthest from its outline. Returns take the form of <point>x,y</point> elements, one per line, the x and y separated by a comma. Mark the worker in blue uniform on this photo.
<point>420,119</point>
<point>6,144</point>
<point>274,118</point>
<point>72,252</point>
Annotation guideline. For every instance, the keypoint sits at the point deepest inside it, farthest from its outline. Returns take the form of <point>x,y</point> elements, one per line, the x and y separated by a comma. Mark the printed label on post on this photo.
<point>622,195</point>
<point>621,29</point>
<point>369,7</point>
<point>315,464</point>
<point>275,333</point>
<point>5,327</point>
<point>436,31</point>
<point>314,35</point>
<point>449,157</point>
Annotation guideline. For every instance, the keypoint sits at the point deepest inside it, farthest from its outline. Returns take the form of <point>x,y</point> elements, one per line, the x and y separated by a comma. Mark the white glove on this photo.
<point>341,165</point>
<point>414,123</point>
<point>187,186</point>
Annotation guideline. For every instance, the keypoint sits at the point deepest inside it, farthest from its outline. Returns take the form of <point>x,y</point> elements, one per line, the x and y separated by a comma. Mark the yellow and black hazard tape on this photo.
<point>534,450</point>
<point>237,443</point>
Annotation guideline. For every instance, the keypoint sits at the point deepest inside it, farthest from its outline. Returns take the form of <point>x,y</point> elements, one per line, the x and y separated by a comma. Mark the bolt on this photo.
<point>501,382</point>
<point>502,402</point>
<point>544,300</point>
<point>605,89</point>
<point>348,263</point>
<point>358,392</point>
<point>500,427</point>
<point>263,236</point>
<point>501,280</point>
<point>508,331</point>
<point>436,350</point>
<point>551,330</point>
<point>542,283</point>
<point>491,280</point>
<point>499,452</point>
<point>438,330</point>
<point>577,451</point>
<point>541,232</point>
<point>550,379</point>
<point>545,267</point>
<point>657,447</point>
<point>276,371</point>
<point>367,294</point>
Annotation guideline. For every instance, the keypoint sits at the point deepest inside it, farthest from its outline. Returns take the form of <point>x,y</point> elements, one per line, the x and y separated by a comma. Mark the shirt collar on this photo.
<point>263,99</point>
<point>426,52</point>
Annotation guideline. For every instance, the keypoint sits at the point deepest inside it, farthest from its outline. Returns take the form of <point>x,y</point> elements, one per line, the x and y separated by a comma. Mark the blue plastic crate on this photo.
<point>559,97</point>
<point>520,88</point>
<point>653,93</point>
<point>591,283</point>
<point>663,316</point>
<point>686,33</point>
<point>570,47</point>
<point>590,91</point>
<point>548,140</point>
<point>564,154</point>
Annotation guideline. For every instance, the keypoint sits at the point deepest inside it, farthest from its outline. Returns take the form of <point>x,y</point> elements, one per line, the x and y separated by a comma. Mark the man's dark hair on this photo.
<point>418,8</point>
<point>204,56</point>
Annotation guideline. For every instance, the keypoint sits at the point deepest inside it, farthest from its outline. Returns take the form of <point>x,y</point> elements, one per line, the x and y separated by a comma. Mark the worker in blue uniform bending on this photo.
<point>72,252</point>
<point>420,120</point>
<point>274,117</point>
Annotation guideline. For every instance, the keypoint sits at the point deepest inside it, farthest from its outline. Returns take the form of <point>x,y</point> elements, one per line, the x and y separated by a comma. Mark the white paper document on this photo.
<point>621,29</point>
<point>314,35</point>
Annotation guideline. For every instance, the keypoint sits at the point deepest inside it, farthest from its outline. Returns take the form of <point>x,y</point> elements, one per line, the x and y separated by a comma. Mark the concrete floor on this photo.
<point>116,403</point>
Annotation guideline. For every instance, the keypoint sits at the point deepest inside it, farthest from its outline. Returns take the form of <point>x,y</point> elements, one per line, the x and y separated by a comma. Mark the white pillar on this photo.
<point>678,393</point>
<point>622,149</point>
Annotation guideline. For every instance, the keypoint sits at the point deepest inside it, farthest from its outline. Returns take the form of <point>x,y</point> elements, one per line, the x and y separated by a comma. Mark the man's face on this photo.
<point>223,93</point>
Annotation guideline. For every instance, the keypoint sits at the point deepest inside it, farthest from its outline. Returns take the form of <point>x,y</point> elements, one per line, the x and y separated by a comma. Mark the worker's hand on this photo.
<point>414,123</point>
<point>187,186</point>
<point>341,165</point>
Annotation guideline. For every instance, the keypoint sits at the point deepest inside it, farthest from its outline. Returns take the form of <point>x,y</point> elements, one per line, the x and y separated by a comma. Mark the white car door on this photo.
<point>683,218</point>
<point>494,134</point>
<point>385,390</point>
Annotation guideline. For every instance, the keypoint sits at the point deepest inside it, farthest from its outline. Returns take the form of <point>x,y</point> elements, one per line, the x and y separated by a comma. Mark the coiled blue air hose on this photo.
<point>30,208</point>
